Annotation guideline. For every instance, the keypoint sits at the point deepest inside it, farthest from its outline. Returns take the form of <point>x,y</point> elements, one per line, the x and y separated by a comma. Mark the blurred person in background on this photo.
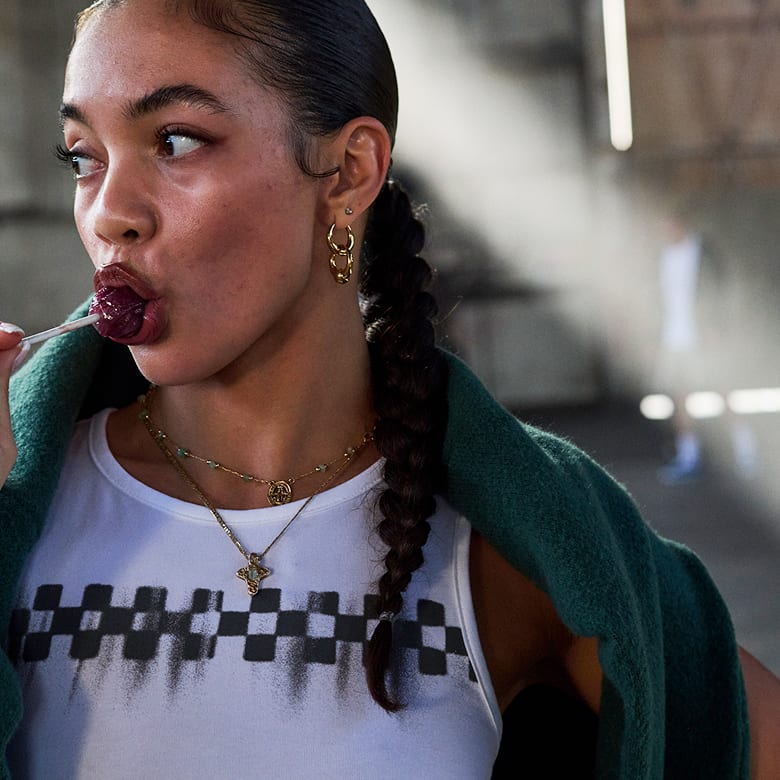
<point>695,343</point>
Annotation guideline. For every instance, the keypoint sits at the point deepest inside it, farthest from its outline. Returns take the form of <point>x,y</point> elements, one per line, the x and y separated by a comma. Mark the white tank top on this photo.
<point>142,655</point>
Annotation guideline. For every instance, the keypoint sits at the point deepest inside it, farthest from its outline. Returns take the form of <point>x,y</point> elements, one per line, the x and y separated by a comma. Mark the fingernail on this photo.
<point>19,360</point>
<point>8,327</point>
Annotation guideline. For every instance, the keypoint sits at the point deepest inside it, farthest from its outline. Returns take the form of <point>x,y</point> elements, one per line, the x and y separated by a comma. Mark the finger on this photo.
<point>24,352</point>
<point>10,335</point>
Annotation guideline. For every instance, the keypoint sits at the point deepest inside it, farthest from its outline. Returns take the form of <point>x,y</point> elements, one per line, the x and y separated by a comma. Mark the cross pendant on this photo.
<point>253,574</point>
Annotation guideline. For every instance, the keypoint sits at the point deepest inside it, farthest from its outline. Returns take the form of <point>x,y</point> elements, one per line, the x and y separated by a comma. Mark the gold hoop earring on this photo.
<point>341,275</point>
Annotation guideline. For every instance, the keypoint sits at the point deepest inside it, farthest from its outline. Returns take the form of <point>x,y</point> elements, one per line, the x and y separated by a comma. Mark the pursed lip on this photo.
<point>117,276</point>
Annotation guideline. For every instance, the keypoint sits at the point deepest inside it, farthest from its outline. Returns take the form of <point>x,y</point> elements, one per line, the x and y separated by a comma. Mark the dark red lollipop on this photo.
<point>121,311</point>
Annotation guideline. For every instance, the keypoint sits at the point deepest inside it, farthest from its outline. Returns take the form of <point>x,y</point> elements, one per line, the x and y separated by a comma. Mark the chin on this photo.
<point>171,366</point>
<point>161,368</point>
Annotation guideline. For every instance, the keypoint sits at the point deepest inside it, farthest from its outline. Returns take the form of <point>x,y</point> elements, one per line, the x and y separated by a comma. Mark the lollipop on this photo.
<point>116,313</point>
<point>120,310</point>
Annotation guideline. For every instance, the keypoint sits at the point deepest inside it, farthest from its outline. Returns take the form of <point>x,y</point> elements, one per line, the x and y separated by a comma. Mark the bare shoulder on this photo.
<point>763,695</point>
<point>523,638</point>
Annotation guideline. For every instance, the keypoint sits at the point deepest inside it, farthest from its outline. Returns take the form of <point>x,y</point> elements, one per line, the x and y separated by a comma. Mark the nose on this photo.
<point>122,212</point>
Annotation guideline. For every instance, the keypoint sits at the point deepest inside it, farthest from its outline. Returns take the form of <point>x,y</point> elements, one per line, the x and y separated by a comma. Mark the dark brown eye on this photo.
<point>176,144</point>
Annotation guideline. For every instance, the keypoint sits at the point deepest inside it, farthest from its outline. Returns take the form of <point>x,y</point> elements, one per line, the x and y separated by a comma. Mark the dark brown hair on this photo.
<point>329,62</point>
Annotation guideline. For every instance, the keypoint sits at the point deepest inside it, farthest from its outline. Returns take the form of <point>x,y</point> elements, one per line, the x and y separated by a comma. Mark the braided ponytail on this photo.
<point>409,379</point>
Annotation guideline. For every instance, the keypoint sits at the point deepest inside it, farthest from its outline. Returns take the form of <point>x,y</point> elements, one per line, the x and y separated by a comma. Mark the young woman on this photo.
<point>314,546</point>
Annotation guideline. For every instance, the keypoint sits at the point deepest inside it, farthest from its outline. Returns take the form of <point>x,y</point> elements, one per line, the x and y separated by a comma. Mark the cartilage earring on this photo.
<point>348,211</point>
<point>341,275</point>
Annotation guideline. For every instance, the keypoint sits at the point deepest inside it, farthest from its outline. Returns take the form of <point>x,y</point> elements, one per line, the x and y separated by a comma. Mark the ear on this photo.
<point>361,150</point>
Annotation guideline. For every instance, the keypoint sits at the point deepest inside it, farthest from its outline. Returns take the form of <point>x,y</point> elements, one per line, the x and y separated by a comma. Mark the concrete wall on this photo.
<point>44,271</point>
<point>492,124</point>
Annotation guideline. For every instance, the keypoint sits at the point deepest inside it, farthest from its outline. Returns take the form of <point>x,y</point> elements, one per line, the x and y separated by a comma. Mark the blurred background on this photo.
<point>552,143</point>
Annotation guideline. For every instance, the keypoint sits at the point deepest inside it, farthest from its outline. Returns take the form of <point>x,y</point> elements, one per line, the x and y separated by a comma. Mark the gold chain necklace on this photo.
<point>254,572</point>
<point>280,491</point>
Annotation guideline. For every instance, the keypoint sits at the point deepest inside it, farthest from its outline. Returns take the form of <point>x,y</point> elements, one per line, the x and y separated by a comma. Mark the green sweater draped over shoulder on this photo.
<point>673,702</point>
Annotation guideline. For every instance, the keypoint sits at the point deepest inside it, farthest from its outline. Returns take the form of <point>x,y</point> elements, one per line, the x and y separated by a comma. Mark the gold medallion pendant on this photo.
<point>279,492</point>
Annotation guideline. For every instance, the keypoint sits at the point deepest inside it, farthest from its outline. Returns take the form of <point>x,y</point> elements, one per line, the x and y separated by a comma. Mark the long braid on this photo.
<point>409,378</point>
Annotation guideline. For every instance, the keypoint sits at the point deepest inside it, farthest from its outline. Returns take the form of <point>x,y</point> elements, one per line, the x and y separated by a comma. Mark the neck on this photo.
<point>270,418</point>
<point>279,418</point>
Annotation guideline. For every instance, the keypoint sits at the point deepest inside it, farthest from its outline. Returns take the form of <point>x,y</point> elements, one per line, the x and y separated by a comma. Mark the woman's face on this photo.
<point>186,184</point>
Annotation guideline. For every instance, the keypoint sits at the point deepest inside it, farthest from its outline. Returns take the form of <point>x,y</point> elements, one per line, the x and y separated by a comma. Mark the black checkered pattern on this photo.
<point>321,625</point>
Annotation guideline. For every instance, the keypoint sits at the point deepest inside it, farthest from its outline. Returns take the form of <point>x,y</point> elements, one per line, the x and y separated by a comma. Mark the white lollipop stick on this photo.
<point>66,327</point>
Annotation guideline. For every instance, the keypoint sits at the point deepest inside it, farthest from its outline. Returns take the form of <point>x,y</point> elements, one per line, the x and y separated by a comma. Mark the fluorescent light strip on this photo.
<point>761,400</point>
<point>656,407</point>
<point>618,83</point>
<point>705,404</point>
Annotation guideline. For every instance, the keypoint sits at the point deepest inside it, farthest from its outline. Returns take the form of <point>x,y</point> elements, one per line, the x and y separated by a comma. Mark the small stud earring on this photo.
<point>348,211</point>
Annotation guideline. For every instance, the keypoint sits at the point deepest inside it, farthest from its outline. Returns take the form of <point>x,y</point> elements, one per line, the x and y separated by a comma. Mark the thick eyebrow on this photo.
<point>187,94</point>
<point>70,111</point>
<point>160,98</point>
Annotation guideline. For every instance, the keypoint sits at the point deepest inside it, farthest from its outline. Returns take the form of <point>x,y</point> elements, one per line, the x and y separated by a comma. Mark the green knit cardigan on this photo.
<point>673,702</point>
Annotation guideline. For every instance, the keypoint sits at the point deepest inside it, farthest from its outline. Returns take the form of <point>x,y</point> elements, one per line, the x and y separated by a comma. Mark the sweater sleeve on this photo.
<point>666,643</point>
<point>46,396</point>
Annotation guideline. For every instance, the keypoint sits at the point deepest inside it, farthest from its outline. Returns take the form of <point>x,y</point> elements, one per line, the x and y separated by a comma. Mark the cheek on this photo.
<point>259,232</point>
<point>79,217</point>
<point>89,240</point>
